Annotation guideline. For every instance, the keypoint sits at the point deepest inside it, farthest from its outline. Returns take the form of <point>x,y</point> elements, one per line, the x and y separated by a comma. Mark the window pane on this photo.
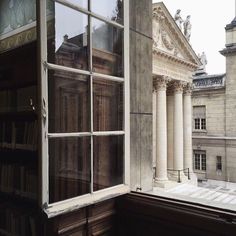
<point>69,102</point>
<point>197,161</point>
<point>107,48</point>
<point>197,123</point>
<point>203,123</point>
<point>67,38</point>
<point>112,9</point>
<point>203,162</point>
<point>69,168</point>
<point>107,105</point>
<point>16,14</point>
<point>108,158</point>
<point>81,3</point>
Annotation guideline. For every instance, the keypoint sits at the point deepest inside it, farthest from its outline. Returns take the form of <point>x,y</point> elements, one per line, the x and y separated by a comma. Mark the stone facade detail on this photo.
<point>161,83</point>
<point>173,64</point>
<point>178,86</point>
<point>188,89</point>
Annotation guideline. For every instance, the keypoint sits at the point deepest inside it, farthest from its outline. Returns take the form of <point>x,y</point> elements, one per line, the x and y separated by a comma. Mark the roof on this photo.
<point>206,82</point>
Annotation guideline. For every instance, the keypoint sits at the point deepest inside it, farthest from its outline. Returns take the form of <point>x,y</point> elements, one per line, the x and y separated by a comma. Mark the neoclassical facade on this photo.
<point>174,62</point>
<point>214,113</point>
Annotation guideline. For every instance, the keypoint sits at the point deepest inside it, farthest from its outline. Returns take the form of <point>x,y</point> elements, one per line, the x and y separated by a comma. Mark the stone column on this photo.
<point>188,163</point>
<point>178,125</point>
<point>154,126</point>
<point>170,133</point>
<point>161,132</point>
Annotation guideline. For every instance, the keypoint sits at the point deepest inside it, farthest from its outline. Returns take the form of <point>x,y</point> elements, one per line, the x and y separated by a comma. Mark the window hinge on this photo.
<point>45,65</point>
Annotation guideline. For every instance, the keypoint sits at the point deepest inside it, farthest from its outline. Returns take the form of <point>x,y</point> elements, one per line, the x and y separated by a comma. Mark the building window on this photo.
<point>219,163</point>
<point>85,100</point>
<point>199,116</point>
<point>200,160</point>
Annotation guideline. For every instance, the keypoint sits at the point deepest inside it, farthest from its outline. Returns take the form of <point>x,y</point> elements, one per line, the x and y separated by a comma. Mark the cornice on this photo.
<point>174,58</point>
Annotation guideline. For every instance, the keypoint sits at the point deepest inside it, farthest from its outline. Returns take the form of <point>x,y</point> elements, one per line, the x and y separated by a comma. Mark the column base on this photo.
<point>166,184</point>
<point>179,179</point>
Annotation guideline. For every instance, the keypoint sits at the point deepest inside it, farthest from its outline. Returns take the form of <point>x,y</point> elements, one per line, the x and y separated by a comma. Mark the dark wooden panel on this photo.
<point>146,215</point>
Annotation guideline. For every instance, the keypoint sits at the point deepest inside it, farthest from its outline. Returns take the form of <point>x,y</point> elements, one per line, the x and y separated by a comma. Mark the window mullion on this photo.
<point>90,42</point>
<point>126,94</point>
<point>42,38</point>
<point>201,161</point>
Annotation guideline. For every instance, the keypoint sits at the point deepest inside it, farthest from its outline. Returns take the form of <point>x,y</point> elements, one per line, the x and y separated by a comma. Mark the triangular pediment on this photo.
<point>168,39</point>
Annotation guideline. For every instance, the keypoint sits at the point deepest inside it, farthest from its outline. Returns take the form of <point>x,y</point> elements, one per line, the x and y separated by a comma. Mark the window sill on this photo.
<point>174,216</point>
<point>73,204</point>
<point>191,207</point>
<point>199,131</point>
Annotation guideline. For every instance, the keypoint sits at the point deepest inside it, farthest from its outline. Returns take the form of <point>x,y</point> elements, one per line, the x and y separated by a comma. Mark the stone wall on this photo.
<point>215,111</point>
<point>141,94</point>
<point>231,95</point>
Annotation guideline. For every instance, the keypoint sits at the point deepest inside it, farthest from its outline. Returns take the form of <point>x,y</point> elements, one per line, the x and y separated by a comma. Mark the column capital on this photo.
<point>178,86</point>
<point>160,84</point>
<point>188,89</point>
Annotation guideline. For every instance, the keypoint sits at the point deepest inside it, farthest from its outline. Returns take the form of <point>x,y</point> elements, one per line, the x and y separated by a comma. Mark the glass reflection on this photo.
<point>68,38</point>
<point>107,105</point>
<point>69,104</point>
<point>107,45</point>
<point>69,168</point>
<point>81,3</point>
<point>112,9</point>
<point>108,161</point>
<point>15,14</point>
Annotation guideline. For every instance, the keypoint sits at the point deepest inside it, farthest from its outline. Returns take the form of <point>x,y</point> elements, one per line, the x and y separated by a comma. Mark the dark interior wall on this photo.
<point>141,94</point>
<point>140,215</point>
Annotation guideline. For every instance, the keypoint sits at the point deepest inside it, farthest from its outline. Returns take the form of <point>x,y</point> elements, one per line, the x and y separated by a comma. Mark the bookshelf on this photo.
<point>19,142</point>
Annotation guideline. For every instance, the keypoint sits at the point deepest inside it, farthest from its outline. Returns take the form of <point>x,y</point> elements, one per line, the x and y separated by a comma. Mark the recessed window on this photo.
<point>200,161</point>
<point>219,163</point>
<point>199,116</point>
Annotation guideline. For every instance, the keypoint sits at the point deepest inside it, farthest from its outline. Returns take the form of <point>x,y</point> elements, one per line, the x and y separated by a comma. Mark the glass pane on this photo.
<point>112,9</point>
<point>68,38</point>
<point>81,3</point>
<point>108,158</point>
<point>107,105</point>
<point>69,102</point>
<point>16,14</point>
<point>69,168</point>
<point>107,48</point>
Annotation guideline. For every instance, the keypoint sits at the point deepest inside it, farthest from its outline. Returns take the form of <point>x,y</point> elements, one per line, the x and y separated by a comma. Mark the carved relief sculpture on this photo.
<point>158,16</point>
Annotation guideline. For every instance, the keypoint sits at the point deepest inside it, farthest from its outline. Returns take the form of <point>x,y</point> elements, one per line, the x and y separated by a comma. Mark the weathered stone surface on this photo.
<point>140,10</point>
<point>141,152</point>
<point>141,94</point>
<point>140,73</point>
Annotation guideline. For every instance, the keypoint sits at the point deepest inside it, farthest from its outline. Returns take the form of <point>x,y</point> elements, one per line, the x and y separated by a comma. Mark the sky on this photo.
<point>208,19</point>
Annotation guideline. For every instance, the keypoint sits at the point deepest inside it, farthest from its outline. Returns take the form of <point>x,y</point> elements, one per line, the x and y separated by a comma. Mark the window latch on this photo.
<point>44,112</point>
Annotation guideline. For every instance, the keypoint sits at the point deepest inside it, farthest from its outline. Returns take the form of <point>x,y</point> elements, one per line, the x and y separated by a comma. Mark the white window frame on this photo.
<point>200,157</point>
<point>93,197</point>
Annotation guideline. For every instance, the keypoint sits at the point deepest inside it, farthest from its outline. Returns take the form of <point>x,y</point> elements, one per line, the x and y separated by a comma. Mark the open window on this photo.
<point>84,102</point>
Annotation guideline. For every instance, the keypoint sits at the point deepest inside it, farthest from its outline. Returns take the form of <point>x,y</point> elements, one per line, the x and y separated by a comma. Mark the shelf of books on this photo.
<point>18,142</point>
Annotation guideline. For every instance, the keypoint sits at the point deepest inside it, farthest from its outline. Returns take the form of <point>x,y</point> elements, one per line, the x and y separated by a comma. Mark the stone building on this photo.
<point>174,62</point>
<point>214,114</point>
